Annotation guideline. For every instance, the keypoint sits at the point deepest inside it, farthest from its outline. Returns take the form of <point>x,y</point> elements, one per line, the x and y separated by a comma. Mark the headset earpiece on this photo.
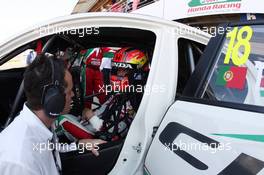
<point>53,96</point>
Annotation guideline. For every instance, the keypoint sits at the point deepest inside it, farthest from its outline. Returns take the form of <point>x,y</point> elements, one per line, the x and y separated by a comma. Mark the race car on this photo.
<point>201,108</point>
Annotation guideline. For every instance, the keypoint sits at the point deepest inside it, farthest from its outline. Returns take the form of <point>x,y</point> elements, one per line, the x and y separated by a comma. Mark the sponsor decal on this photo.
<point>242,37</point>
<point>205,6</point>
<point>256,138</point>
<point>232,77</point>
<point>173,130</point>
<point>54,114</point>
<point>262,87</point>
<point>240,165</point>
<point>122,65</point>
<point>195,3</point>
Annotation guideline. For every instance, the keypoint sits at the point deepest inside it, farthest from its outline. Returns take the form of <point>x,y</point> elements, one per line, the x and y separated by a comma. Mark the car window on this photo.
<point>189,53</point>
<point>238,73</point>
<point>19,61</point>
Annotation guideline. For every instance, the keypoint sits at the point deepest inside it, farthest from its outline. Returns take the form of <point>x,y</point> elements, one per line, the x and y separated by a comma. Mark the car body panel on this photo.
<point>190,122</point>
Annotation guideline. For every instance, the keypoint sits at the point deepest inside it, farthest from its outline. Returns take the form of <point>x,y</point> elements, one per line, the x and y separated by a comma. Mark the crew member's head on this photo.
<point>48,85</point>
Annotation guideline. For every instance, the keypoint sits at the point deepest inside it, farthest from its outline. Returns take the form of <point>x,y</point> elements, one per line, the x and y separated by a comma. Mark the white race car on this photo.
<point>201,110</point>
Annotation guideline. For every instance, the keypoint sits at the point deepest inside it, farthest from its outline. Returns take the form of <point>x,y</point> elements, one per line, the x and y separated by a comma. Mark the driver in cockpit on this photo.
<point>112,120</point>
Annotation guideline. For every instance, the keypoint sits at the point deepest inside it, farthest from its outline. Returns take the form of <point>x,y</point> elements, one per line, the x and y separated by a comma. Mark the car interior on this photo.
<point>12,95</point>
<point>189,55</point>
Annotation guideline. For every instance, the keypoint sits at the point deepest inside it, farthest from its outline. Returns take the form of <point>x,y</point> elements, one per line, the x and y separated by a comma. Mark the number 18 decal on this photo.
<point>242,41</point>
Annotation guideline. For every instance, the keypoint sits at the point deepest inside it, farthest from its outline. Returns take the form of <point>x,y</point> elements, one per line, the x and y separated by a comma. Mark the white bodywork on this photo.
<point>206,120</point>
<point>163,73</point>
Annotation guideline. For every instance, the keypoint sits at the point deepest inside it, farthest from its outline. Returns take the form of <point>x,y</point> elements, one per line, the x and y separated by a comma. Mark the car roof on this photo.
<point>71,21</point>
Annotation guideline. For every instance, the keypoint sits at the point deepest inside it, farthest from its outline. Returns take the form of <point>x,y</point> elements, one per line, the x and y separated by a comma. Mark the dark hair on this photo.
<point>38,74</point>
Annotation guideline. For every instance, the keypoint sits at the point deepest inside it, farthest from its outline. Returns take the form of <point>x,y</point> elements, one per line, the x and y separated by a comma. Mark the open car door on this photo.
<point>217,125</point>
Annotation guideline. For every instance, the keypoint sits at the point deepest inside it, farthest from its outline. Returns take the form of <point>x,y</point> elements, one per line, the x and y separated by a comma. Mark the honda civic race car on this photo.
<point>209,97</point>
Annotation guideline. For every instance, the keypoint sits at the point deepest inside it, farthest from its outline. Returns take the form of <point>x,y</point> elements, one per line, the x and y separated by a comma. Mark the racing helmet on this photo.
<point>129,58</point>
<point>127,66</point>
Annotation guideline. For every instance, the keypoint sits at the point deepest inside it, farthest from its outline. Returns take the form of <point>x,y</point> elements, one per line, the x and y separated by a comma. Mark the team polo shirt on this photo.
<point>23,147</point>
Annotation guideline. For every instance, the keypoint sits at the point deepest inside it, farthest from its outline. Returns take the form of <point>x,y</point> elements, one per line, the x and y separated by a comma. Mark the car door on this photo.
<point>216,126</point>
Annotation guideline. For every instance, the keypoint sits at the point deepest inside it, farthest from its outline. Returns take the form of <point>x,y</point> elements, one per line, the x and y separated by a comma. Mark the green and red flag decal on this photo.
<point>231,77</point>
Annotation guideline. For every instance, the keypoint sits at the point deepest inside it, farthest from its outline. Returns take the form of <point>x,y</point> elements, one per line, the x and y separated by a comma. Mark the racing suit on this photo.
<point>94,78</point>
<point>106,63</point>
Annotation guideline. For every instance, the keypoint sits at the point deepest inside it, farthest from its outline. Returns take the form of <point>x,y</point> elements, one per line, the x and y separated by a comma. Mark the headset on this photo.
<point>53,96</point>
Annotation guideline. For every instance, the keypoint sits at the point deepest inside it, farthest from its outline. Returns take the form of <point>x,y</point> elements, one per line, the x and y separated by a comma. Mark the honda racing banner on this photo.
<point>179,9</point>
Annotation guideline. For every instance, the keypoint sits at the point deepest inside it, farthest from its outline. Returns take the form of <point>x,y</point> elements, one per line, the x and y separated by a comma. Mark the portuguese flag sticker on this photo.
<point>231,77</point>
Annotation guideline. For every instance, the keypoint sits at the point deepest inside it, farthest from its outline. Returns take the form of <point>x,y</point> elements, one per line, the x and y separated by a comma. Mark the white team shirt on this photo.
<point>20,151</point>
